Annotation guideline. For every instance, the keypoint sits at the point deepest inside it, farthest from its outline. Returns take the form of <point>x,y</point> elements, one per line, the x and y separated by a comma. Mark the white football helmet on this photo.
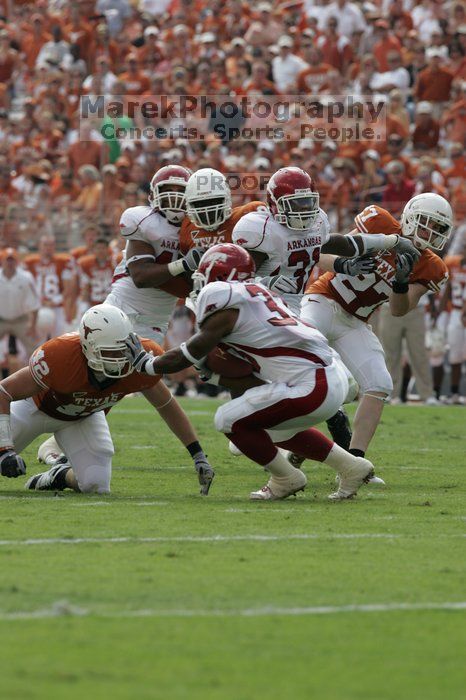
<point>428,219</point>
<point>208,199</point>
<point>102,331</point>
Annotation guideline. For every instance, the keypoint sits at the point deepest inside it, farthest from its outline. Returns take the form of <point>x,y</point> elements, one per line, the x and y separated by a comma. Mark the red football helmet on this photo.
<point>223,263</point>
<point>167,192</point>
<point>292,198</point>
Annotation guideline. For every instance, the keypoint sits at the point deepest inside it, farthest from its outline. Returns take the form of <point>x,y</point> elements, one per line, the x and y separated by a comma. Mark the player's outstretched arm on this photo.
<point>20,385</point>
<point>355,244</point>
<point>171,412</point>
<point>214,328</point>
<point>145,272</point>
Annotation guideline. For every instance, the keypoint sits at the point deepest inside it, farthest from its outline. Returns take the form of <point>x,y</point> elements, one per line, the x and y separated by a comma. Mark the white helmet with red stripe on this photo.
<point>428,219</point>
<point>293,198</point>
<point>167,192</point>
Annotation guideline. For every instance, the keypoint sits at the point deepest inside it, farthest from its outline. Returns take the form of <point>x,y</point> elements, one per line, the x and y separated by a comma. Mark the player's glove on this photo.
<point>192,259</point>
<point>403,266</point>
<point>404,245</point>
<point>361,265</point>
<point>11,464</point>
<point>281,284</point>
<point>205,474</point>
<point>136,354</point>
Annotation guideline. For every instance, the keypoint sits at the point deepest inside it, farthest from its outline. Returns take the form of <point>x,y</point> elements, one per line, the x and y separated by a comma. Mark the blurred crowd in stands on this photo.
<point>56,181</point>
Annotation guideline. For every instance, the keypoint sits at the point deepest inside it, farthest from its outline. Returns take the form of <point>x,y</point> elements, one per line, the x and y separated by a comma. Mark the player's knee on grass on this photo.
<point>95,478</point>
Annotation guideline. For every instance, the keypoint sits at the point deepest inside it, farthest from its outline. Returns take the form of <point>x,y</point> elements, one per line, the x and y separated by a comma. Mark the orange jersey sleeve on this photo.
<point>374,219</point>
<point>191,235</point>
<point>68,389</point>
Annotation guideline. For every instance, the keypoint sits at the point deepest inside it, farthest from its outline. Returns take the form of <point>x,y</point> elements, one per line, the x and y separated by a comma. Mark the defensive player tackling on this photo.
<point>303,382</point>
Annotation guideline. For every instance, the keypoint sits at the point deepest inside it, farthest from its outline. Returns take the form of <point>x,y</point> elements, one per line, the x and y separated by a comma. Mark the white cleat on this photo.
<point>234,450</point>
<point>356,474</point>
<point>376,480</point>
<point>373,480</point>
<point>280,487</point>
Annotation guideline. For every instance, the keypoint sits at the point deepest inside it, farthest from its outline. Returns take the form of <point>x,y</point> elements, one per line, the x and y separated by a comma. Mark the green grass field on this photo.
<point>156,592</point>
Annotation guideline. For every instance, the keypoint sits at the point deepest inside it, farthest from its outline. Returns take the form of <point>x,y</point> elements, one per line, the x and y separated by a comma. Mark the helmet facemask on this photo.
<point>297,211</point>
<point>169,198</point>
<point>209,214</point>
<point>428,230</point>
<point>109,361</point>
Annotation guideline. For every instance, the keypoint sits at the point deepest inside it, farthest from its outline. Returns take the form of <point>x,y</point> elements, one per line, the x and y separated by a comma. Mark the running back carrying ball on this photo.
<point>222,362</point>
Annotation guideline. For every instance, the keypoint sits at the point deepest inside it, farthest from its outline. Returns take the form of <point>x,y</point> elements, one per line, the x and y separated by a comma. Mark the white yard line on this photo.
<point>219,538</point>
<point>64,609</point>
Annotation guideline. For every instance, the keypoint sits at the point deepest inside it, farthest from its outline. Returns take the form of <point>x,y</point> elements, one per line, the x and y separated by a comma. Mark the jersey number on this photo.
<point>272,305</point>
<point>302,257</point>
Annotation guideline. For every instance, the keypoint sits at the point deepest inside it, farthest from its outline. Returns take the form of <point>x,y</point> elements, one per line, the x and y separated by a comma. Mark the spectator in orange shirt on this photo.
<point>386,42</point>
<point>33,40</point>
<point>259,84</point>
<point>86,150</point>
<point>434,82</point>
<point>395,146</point>
<point>427,129</point>
<point>457,172</point>
<point>9,58</point>
<point>89,199</point>
<point>425,181</point>
<point>398,190</point>
<point>336,48</point>
<point>312,79</point>
<point>454,120</point>
<point>136,83</point>
<point>66,191</point>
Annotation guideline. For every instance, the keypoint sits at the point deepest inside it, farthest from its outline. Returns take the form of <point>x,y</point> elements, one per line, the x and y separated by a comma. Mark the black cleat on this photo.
<point>51,480</point>
<point>340,429</point>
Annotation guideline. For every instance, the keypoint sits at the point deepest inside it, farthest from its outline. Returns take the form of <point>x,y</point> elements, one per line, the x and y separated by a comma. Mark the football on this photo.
<point>222,362</point>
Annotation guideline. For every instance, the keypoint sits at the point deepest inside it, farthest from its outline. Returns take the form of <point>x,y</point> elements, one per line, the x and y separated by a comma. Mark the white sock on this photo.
<point>280,466</point>
<point>339,459</point>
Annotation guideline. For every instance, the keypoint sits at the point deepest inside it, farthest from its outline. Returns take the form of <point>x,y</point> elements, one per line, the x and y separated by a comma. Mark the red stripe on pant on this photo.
<point>248,433</point>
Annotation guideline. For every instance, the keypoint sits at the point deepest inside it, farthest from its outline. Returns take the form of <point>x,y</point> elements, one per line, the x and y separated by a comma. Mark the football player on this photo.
<point>153,274</point>
<point>454,293</point>
<point>71,383</point>
<point>211,216</point>
<point>287,239</point>
<point>340,306</point>
<point>54,274</point>
<point>304,381</point>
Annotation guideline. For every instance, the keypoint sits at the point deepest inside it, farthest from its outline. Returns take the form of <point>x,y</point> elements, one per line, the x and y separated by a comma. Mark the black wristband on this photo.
<point>400,287</point>
<point>338,264</point>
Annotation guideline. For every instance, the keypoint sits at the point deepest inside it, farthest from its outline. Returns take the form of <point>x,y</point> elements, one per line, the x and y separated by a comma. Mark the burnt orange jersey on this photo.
<point>191,235</point>
<point>69,393</point>
<point>456,265</point>
<point>80,251</point>
<point>97,276</point>
<point>50,276</point>
<point>361,295</point>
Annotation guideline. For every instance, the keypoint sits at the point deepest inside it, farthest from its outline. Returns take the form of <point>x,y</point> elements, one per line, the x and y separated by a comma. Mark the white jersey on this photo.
<point>152,307</point>
<point>280,346</point>
<point>289,253</point>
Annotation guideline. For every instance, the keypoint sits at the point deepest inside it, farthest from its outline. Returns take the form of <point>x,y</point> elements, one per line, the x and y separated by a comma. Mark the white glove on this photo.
<point>404,245</point>
<point>361,265</point>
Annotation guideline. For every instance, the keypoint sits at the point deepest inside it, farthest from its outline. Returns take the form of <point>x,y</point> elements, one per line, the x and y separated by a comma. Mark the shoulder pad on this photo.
<point>214,297</point>
<point>250,230</point>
